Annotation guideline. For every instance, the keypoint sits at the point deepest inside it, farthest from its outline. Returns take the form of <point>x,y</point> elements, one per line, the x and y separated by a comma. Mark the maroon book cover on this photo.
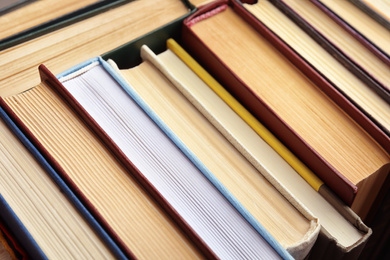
<point>339,183</point>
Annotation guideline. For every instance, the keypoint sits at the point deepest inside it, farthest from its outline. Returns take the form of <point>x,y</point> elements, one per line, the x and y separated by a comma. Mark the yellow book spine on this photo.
<point>261,130</point>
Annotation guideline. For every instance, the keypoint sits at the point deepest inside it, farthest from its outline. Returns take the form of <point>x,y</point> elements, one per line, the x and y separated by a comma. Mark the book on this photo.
<point>362,26</point>
<point>239,177</point>
<point>377,9</point>
<point>294,113</point>
<point>183,119</point>
<point>357,91</point>
<point>42,212</point>
<point>137,222</point>
<point>73,44</point>
<point>331,35</point>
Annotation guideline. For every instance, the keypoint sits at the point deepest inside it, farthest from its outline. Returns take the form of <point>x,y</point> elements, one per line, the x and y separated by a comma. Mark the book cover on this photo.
<point>339,183</point>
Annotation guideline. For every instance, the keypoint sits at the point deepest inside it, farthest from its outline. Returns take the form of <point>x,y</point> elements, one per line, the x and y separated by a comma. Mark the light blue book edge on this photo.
<point>12,220</point>
<point>191,156</point>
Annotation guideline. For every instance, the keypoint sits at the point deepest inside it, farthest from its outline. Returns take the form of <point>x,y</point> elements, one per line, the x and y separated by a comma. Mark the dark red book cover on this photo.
<point>339,183</point>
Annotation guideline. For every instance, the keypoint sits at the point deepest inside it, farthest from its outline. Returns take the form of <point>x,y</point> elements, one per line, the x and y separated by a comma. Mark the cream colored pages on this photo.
<point>76,43</point>
<point>133,216</point>
<point>302,43</point>
<point>256,150</point>
<point>256,194</point>
<point>343,40</point>
<point>57,227</point>
<point>182,183</point>
<point>362,22</point>
<point>36,13</point>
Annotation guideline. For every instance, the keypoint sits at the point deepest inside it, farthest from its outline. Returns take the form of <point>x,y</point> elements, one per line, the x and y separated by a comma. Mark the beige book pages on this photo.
<point>53,222</point>
<point>297,101</point>
<point>318,57</point>
<point>36,13</point>
<point>289,227</point>
<point>362,22</point>
<point>76,43</point>
<point>256,150</point>
<point>343,40</point>
<point>136,219</point>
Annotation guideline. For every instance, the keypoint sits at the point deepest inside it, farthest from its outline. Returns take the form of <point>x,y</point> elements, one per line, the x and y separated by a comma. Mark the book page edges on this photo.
<point>124,161</point>
<point>268,117</point>
<point>341,185</point>
<point>310,237</point>
<point>203,169</point>
<point>345,211</point>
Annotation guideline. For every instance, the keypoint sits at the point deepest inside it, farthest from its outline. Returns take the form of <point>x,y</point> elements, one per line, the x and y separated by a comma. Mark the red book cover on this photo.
<point>237,86</point>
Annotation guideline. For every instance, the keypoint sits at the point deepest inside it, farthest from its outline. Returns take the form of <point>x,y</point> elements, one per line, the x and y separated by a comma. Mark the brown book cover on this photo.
<point>214,64</point>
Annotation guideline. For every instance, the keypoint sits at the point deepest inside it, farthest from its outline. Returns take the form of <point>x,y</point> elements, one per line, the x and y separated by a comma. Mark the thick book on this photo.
<point>44,215</point>
<point>297,118</point>
<point>132,127</point>
<point>371,98</point>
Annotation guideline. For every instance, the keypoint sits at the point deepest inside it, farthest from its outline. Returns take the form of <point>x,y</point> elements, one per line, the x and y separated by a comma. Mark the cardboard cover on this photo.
<point>237,87</point>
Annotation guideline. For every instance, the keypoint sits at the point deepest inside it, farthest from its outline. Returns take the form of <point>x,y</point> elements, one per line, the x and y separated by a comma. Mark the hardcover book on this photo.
<point>307,119</point>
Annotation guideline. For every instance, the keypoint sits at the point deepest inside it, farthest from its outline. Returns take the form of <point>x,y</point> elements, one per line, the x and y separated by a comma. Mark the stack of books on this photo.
<point>221,129</point>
